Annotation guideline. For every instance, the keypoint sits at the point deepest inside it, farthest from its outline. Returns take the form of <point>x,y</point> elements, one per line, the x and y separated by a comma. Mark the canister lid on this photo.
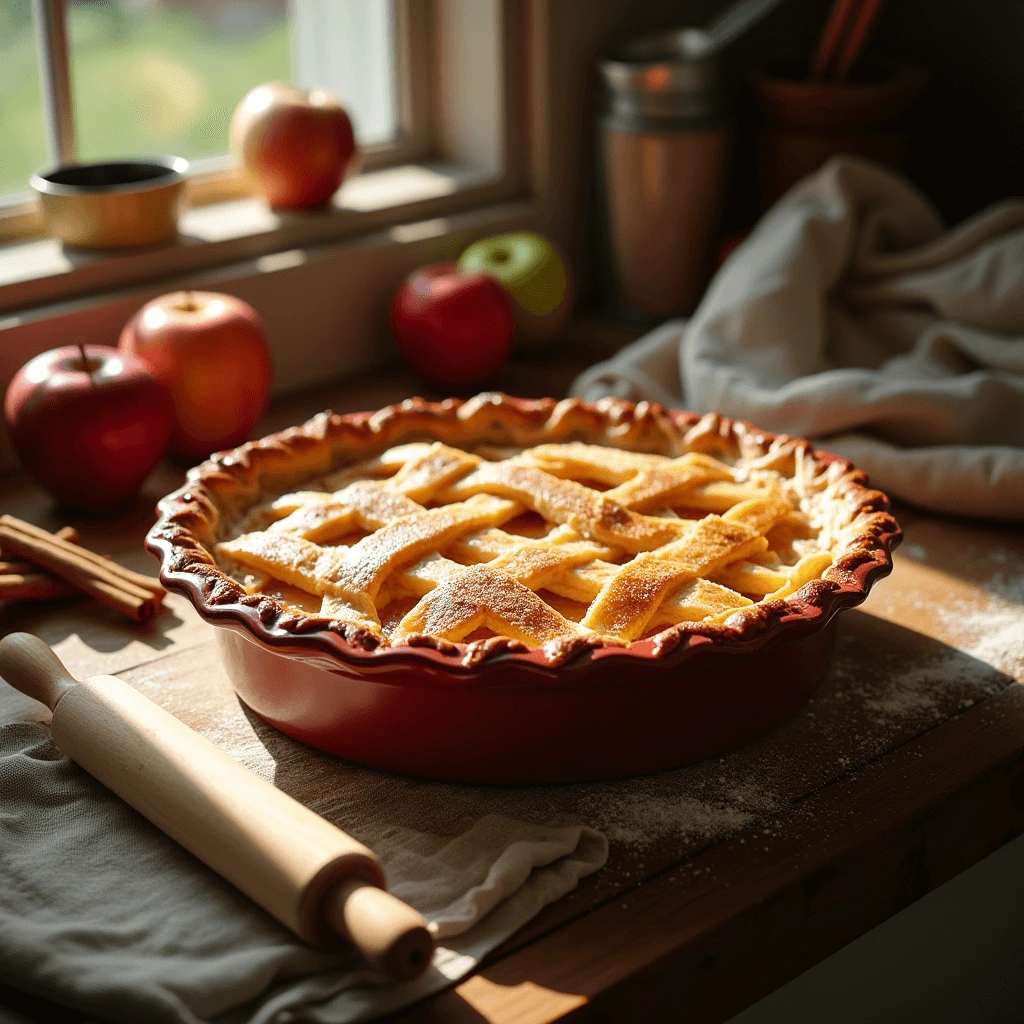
<point>667,77</point>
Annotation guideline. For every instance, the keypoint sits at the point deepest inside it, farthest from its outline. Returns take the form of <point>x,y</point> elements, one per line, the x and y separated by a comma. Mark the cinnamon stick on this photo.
<point>16,567</point>
<point>134,595</point>
<point>34,586</point>
<point>147,583</point>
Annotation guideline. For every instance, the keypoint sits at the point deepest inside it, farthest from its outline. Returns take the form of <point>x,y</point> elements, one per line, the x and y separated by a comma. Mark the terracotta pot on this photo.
<point>811,121</point>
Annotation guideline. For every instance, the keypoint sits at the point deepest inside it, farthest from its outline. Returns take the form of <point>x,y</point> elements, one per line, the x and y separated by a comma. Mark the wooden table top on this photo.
<point>727,878</point>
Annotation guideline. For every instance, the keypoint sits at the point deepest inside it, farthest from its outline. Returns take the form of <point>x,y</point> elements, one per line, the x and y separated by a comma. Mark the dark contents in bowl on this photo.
<point>112,175</point>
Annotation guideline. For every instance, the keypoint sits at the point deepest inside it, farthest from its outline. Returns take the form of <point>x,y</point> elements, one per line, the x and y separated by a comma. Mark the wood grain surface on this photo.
<point>725,878</point>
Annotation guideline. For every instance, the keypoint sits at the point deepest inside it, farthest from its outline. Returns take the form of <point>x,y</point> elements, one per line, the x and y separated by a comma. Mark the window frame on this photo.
<point>446,129</point>
<point>220,178</point>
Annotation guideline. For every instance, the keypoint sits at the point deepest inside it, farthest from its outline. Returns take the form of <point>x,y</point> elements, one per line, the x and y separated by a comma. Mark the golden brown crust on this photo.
<point>219,492</point>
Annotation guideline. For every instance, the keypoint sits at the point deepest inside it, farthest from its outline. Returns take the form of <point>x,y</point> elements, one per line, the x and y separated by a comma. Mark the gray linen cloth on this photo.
<point>100,911</point>
<point>851,315</point>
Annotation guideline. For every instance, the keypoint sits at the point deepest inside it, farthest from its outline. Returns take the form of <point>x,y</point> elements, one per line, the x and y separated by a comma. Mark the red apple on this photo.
<point>88,423</point>
<point>454,328</point>
<point>296,145</point>
<point>211,352</point>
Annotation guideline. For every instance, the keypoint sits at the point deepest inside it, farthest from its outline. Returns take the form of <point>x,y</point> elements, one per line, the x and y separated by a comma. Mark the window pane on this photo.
<point>22,132</point>
<point>164,76</point>
<point>348,46</point>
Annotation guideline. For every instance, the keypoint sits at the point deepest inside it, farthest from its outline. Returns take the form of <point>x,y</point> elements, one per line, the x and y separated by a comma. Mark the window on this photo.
<point>131,77</point>
<point>438,90</point>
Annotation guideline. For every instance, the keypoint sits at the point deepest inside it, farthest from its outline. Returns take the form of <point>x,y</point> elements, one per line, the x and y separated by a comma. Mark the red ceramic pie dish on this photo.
<point>499,712</point>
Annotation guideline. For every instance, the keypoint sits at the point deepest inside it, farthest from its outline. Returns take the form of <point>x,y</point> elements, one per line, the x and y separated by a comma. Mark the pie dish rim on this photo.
<point>188,568</point>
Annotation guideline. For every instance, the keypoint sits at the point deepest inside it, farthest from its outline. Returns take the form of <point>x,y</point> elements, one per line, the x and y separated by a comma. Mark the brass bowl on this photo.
<point>113,205</point>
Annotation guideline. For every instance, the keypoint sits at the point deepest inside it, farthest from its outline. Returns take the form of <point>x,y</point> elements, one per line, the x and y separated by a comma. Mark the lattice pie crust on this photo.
<point>478,542</point>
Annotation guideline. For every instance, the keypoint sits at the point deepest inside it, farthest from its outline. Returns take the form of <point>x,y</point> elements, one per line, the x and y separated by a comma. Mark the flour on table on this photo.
<point>637,815</point>
<point>991,630</point>
<point>235,735</point>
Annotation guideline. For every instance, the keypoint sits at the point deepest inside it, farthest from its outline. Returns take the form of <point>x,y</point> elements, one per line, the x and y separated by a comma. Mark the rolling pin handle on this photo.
<point>30,666</point>
<point>388,933</point>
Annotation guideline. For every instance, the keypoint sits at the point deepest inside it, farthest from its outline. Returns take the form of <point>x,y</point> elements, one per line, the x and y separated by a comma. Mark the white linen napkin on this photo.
<point>101,912</point>
<point>850,315</point>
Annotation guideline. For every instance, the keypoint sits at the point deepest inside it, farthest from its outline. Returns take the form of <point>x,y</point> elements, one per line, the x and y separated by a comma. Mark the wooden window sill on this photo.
<point>42,270</point>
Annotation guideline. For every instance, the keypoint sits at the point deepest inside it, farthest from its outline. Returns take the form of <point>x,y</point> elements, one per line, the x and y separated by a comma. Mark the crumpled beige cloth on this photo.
<point>101,912</point>
<point>850,315</point>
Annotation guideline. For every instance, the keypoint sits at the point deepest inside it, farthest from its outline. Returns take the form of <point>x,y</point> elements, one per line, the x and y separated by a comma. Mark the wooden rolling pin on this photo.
<point>311,876</point>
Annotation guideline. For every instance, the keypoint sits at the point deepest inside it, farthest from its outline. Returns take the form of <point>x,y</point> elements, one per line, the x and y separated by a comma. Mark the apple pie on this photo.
<point>499,525</point>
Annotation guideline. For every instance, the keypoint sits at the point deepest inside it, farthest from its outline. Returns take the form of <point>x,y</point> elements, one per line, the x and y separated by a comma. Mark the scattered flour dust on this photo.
<point>992,632</point>
<point>995,634</point>
<point>919,691</point>
<point>982,652</point>
<point>635,818</point>
<point>697,804</point>
<point>234,734</point>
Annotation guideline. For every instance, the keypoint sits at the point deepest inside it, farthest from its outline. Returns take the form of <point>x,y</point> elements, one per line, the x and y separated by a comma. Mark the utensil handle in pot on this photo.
<point>312,876</point>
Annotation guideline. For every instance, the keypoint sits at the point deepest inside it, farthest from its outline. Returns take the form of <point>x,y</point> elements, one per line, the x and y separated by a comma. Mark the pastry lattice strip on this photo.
<point>663,584</point>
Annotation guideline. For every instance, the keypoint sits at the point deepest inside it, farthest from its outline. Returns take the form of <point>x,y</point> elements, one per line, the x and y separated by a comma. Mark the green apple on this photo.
<point>532,271</point>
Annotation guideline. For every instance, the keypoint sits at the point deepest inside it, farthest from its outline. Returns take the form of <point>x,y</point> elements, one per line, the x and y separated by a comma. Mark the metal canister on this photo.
<point>663,148</point>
